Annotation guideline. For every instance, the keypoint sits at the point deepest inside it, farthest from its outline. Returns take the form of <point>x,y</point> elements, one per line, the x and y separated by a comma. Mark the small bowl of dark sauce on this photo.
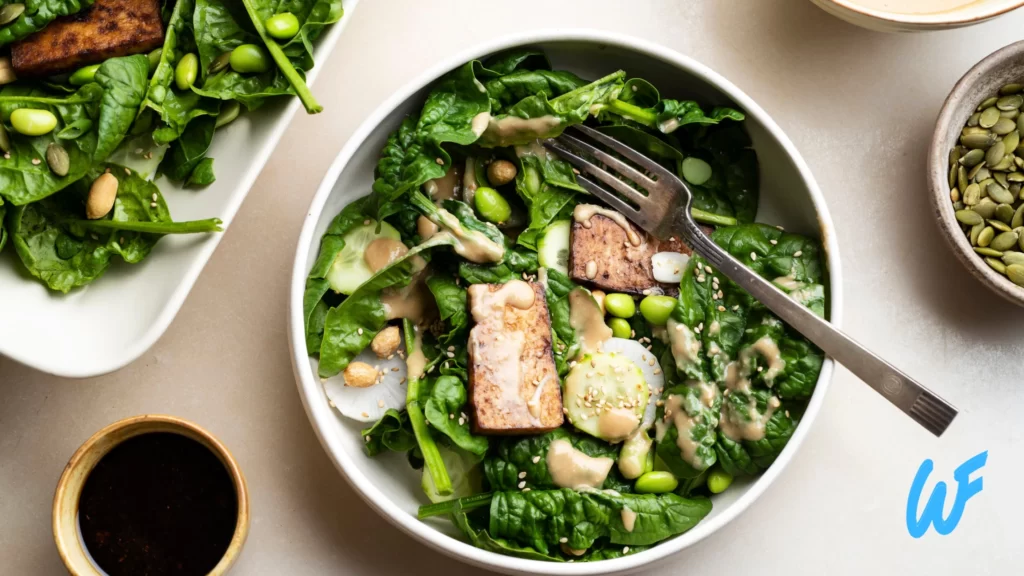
<point>153,495</point>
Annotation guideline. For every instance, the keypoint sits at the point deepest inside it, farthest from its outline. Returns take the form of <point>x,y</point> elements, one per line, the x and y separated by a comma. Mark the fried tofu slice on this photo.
<point>107,29</point>
<point>513,382</point>
<point>603,255</point>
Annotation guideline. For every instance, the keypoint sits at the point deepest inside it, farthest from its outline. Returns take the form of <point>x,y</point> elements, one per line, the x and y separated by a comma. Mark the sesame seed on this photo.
<point>646,292</point>
<point>753,256</point>
<point>365,415</point>
<point>575,171</point>
<point>359,331</point>
<point>36,161</point>
<point>451,416</point>
<point>139,151</point>
<point>380,403</point>
<point>7,155</point>
<point>536,459</point>
<point>439,161</point>
<point>527,490</point>
<point>787,413</point>
<point>367,437</point>
<point>394,368</point>
<point>798,253</point>
<point>152,204</point>
<point>154,197</point>
<point>774,242</point>
<point>462,421</point>
<point>451,354</point>
<point>522,475</point>
<point>707,269</point>
<point>128,171</point>
<point>331,403</point>
<point>625,549</point>
<point>522,484</point>
<point>721,308</point>
<point>657,371</point>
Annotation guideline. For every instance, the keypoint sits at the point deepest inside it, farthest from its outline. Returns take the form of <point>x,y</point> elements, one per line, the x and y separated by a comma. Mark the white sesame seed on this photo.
<point>152,204</point>
<point>536,459</point>
<point>753,256</point>
<point>707,269</point>
<point>522,475</point>
<point>128,171</point>
<point>359,331</point>
<point>527,490</point>
<point>462,421</point>
<point>439,161</point>
<point>139,151</point>
<point>774,242</point>
<point>721,308</point>
<point>154,197</point>
<point>798,253</point>
<point>380,403</point>
<point>451,416</point>
<point>36,161</point>
<point>625,549</point>
<point>367,437</point>
<point>563,539</point>
<point>365,415</point>
<point>522,484</point>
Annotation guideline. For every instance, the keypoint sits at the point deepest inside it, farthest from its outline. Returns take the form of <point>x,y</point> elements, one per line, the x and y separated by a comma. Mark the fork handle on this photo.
<point>926,408</point>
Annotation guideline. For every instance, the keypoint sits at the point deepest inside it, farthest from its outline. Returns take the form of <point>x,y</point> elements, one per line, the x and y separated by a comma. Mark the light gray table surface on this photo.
<point>859,106</point>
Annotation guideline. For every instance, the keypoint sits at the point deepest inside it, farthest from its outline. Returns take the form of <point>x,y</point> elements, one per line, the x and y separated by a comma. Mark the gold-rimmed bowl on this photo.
<point>939,16</point>
<point>69,489</point>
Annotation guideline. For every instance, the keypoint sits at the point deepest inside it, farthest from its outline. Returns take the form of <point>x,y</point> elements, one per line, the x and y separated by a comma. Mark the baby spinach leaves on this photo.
<point>39,13</point>
<point>513,455</point>
<point>124,88</point>
<point>392,432</point>
<point>445,409</point>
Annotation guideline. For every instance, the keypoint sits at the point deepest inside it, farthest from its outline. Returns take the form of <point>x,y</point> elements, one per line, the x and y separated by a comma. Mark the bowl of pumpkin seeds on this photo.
<point>976,171</point>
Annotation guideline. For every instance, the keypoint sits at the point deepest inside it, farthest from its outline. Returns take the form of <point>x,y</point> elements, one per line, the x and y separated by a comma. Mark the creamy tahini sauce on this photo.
<point>676,413</point>
<point>416,361</point>
<point>486,304</point>
<point>684,344</point>
<point>584,212</point>
<point>586,319</point>
<point>617,424</point>
<point>479,123</point>
<point>637,443</point>
<point>382,252</point>
<point>769,350</point>
<point>515,130</point>
<point>472,245</point>
<point>425,228</point>
<point>534,148</point>
<point>915,6</point>
<point>738,428</point>
<point>444,188</point>
<point>412,301</point>
<point>628,518</point>
<point>534,404</point>
<point>570,468</point>
<point>788,282</point>
<point>469,181</point>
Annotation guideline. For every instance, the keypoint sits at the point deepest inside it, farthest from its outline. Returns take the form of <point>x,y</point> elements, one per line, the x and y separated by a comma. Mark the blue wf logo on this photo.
<point>932,513</point>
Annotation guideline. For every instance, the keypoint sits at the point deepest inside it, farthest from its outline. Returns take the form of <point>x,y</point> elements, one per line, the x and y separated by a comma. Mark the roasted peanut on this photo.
<point>101,197</point>
<point>360,375</point>
<point>501,172</point>
<point>386,342</point>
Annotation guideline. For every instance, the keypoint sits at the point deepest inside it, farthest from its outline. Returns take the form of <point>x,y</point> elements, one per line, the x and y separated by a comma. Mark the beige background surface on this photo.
<point>859,105</point>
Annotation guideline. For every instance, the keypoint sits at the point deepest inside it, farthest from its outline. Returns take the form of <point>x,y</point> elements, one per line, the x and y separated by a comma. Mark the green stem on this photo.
<point>190,227</point>
<point>283,64</point>
<point>633,112</point>
<point>712,218</point>
<point>449,506</point>
<point>431,455</point>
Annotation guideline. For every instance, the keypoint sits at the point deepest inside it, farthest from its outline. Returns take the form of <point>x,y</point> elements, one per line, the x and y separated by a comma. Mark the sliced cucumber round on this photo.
<point>553,246</point>
<point>349,269</point>
<point>606,396</point>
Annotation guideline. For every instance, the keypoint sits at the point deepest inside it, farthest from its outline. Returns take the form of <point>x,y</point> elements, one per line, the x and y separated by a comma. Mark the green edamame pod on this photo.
<point>620,328</point>
<point>657,309</point>
<point>83,76</point>
<point>656,483</point>
<point>33,122</point>
<point>249,59</point>
<point>187,71</point>
<point>621,305</point>
<point>154,59</point>
<point>491,205</point>
<point>718,480</point>
<point>282,26</point>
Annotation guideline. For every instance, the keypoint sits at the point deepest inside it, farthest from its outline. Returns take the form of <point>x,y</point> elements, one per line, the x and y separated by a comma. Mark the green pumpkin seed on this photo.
<point>1014,188</point>
<point>1020,124</point>
<point>972,195</point>
<point>1003,215</point>
<point>1013,258</point>
<point>952,176</point>
<point>986,208</point>
<point>975,232</point>
<point>978,169</point>
<point>1011,88</point>
<point>954,155</point>
<point>989,252</point>
<point>986,236</point>
<point>1009,114</point>
<point>989,117</point>
<point>999,194</point>
<point>1004,126</point>
<point>994,155</point>
<point>973,120</point>
<point>10,13</point>
<point>958,206</point>
<point>987,103</point>
<point>969,217</point>
<point>954,195</point>
<point>972,158</point>
<point>1020,243</point>
<point>1010,102</point>
<point>5,139</point>
<point>996,265</point>
<point>1001,179</point>
<point>984,185</point>
<point>57,159</point>
<point>961,178</point>
<point>219,63</point>
<point>1015,272</point>
<point>1012,140</point>
<point>978,141</point>
<point>1004,241</point>
<point>1005,164</point>
<point>1015,177</point>
<point>1018,217</point>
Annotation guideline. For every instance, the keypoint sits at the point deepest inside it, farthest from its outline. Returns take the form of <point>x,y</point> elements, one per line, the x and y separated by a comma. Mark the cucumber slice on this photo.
<point>349,269</point>
<point>606,396</point>
<point>553,247</point>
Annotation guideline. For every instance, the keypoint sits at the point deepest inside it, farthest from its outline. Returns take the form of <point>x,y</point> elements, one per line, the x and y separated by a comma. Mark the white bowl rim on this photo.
<point>323,48</point>
<point>309,386</point>
<point>965,15</point>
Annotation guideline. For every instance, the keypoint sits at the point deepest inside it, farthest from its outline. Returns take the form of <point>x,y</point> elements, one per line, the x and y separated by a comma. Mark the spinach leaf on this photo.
<point>202,174</point>
<point>506,90</point>
<point>3,229</point>
<point>176,107</point>
<point>517,262</point>
<point>608,553</point>
<point>542,518</point>
<point>704,421</point>
<point>37,14</point>
<point>751,457</point>
<point>479,537</point>
<point>189,150</point>
<point>641,103</point>
<point>564,342</point>
<point>547,185</point>
<point>124,88</point>
<point>451,306</point>
<point>445,410</point>
<point>350,326</point>
<point>392,432</point>
<point>510,456</point>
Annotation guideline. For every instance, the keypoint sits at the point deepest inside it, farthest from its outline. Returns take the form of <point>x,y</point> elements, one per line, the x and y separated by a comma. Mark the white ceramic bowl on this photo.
<point>867,15</point>
<point>108,324</point>
<point>789,197</point>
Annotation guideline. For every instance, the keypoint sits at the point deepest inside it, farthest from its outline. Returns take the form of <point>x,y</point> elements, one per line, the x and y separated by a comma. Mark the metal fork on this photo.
<point>665,212</point>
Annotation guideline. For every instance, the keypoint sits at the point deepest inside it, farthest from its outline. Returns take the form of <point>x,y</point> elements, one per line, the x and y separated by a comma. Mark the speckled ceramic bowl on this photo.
<point>983,80</point>
<point>854,12</point>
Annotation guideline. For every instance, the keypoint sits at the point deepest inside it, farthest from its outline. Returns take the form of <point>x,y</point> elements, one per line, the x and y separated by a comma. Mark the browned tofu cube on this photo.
<point>513,383</point>
<point>603,256</point>
<point>107,29</point>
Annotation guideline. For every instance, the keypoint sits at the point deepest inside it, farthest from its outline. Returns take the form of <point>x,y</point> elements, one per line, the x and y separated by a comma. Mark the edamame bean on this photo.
<point>656,483</point>
<point>83,76</point>
<point>657,309</point>
<point>186,72</point>
<point>621,305</point>
<point>282,26</point>
<point>696,171</point>
<point>491,205</point>
<point>620,328</point>
<point>249,58</point>
<point>718,480</point>
<point>154,59</point>
<point>228,113</point>
<point>33,122</point>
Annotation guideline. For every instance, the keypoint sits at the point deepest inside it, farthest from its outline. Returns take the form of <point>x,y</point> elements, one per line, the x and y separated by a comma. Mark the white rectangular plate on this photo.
<point>108,324</point>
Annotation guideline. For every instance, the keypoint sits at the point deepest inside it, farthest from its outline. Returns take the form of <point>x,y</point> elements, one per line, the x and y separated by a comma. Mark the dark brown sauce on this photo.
<point>158,504</point>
